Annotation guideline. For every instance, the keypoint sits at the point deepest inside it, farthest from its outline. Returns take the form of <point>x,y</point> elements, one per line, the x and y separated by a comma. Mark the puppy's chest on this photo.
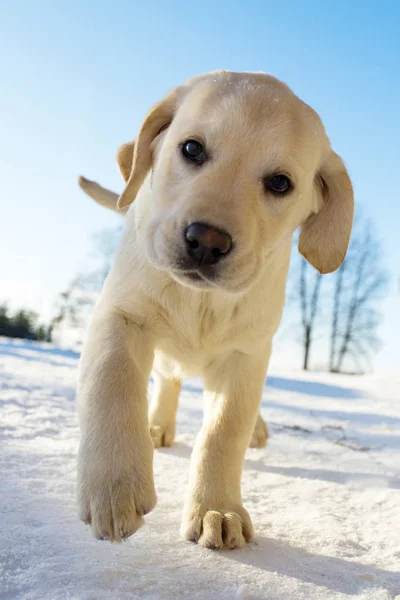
<point>197,331</point>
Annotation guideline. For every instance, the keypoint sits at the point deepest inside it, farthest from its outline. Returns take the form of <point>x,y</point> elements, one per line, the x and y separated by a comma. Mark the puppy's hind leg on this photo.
<point>260,434</point>
<point>163,407</point>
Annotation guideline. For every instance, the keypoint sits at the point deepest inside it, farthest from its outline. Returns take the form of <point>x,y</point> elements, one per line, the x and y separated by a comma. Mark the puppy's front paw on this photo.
<point>114,503</point>
<point>218,528</point>
<point>260,434</point>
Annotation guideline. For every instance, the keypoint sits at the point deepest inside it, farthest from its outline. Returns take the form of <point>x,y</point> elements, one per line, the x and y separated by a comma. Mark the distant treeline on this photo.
<point>23,324</point>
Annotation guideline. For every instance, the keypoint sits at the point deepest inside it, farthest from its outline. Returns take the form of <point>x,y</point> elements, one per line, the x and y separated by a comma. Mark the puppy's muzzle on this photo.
<point>206,245</point>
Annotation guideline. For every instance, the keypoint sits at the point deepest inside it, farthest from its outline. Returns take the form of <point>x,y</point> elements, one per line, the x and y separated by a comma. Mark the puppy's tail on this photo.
<point>102,196</point>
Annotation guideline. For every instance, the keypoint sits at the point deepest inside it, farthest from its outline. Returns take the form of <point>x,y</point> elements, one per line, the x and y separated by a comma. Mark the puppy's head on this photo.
<point>237,163</point>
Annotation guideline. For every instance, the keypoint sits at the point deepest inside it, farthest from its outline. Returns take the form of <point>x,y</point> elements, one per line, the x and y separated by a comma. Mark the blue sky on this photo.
<point>78,77</point>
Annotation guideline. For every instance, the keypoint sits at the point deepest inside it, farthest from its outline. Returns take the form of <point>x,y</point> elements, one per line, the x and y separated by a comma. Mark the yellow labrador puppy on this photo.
<point>224,170</point>
<point>162,420</point>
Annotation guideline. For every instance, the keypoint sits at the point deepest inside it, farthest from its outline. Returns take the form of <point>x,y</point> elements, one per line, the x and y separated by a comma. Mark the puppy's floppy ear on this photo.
<point>325,236</point>
<point>159,117</point>
<point>125,159</point>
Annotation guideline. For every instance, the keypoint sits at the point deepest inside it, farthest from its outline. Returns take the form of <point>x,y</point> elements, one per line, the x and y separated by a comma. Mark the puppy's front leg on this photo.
<point>214,515</point>
<point>115,462</point>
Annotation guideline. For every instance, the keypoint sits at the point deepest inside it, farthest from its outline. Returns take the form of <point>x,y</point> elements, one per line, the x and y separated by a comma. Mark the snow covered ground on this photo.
<point>324,495</point>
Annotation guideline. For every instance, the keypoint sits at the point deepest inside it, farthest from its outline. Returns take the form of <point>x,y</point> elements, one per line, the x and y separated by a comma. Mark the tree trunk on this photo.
<point>307,344</point>
<point>353,308</point>
<point>335,316</point>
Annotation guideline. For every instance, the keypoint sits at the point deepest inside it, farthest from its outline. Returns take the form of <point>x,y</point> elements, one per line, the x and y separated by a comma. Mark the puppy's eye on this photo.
<point>194,151</point>
<point>278,184</point>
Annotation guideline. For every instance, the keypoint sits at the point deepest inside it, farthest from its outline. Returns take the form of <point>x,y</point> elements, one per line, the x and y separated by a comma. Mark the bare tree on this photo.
<point>359,287</point>
<point>306,302</point>
<point>351,296</point>
<point>335,313</point>
<point>74,305</point>
<point>309,304</point>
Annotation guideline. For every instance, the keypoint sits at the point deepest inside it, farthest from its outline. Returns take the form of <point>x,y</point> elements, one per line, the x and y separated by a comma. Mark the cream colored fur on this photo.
<point>164,405</point>
<point>150,316</point>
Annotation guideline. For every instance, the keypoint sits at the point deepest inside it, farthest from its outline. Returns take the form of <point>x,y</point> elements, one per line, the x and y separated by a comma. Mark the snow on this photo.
<point>324,495</point>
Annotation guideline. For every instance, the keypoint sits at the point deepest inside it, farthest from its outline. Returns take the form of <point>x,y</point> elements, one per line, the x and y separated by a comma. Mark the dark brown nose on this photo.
<point>206,244</point>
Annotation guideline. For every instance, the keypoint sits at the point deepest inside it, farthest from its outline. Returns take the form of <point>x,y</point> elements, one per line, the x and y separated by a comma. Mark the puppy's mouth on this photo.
<point>196,278</point>
<point>193,276</point>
